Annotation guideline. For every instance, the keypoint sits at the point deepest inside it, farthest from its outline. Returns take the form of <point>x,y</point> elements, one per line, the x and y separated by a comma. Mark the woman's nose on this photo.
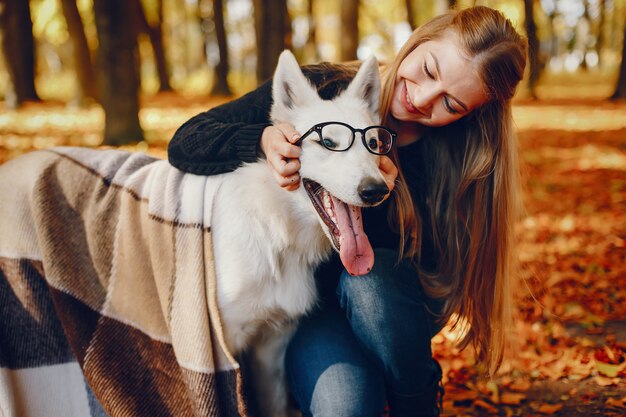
<point>424,97</point>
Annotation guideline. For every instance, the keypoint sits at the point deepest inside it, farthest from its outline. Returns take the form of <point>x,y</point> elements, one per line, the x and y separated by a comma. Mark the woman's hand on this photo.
<point>277,142</point>
<point>389,171</point>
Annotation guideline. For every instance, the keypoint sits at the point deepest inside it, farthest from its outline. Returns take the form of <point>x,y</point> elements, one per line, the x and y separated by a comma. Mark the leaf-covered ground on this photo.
<point>569,340</point>
<point>569,344</point>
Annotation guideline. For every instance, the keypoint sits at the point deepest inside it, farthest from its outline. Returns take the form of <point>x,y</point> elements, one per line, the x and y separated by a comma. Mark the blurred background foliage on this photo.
<point>56,50</point>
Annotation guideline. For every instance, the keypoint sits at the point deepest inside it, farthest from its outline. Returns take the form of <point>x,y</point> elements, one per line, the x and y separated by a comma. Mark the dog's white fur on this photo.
<point>268,241</point>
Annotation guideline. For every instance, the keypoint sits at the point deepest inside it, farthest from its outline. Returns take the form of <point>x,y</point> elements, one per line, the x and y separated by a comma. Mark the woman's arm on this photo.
<point>221,139</point>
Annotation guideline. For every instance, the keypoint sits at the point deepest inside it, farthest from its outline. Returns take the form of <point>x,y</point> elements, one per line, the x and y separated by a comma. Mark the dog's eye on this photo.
<point>373,144</point>
<point>329,143</point>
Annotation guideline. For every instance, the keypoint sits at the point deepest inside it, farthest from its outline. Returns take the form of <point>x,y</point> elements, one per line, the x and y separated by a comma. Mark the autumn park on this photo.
<point>128,73</point>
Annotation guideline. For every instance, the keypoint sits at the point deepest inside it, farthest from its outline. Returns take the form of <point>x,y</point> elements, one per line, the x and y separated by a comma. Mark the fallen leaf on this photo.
<point>512,398</point>
<point>608,369</point>
<point>605,382</point>
<point>520,385</point>
<point>588,397</point>
<point>615,403</point>
<point>485,406</point>
<point>461,395</point>
<point>550,408</point>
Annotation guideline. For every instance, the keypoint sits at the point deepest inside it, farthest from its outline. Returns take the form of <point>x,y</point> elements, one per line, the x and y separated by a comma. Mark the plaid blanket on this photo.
<point>107,290</point>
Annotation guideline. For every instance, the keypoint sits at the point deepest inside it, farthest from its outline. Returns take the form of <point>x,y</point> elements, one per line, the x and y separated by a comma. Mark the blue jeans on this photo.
<point>374,346</point>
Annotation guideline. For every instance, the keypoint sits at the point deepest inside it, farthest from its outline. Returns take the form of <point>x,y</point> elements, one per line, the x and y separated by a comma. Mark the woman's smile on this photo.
<point>406,101</point>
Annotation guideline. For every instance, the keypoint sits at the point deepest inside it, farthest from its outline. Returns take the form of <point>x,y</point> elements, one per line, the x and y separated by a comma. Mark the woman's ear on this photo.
<point>366,85</point>
<point>290,88</point>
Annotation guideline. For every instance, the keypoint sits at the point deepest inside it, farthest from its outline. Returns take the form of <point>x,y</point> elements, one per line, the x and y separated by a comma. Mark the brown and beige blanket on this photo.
<point>107,290</point>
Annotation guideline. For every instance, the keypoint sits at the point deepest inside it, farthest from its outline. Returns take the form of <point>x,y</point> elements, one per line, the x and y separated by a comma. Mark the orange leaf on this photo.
<point>461,395</point>
<point>550,408</point>
<point>512,398</point>
<point>616,403</point>
<point>485,406</point>
<point>520,385</point>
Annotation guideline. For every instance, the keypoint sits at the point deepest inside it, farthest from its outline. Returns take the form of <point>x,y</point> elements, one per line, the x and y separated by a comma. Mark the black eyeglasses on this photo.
<point>339,137</point>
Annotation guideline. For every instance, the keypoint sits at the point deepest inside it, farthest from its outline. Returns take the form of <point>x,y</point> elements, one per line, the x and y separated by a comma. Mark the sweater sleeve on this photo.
<point>221,139</point>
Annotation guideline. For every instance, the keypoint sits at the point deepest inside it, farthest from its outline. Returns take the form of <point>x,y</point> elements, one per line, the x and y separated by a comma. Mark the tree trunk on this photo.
<point>220,73</point>
<point>159,50</point>
<point>411,14</point>
<point>310,48</point>
<point>614,27</point>
<point>600,38</point>
<point>554,38</point>
<point>270,18</point>
<point>533,47</point>
<point>585,43</point>
<point>117,71</point>
<point>18,46</point>
<point>155,33</point>
<point>349,29</point>
<point>82,56</point>
<point>620,89</point>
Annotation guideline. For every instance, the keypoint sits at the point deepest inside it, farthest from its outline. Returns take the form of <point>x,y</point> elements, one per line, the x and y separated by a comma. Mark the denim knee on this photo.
<point>327,371</point>
<point>374,297</point>
<point>365,398</point>
<point>388,314</point>
<point>368,295</point>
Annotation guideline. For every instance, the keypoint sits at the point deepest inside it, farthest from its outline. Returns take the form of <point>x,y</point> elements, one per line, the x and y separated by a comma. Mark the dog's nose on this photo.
<point>372,192</point>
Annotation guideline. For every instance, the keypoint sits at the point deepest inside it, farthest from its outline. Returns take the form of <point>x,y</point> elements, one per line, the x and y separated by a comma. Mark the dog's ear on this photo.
<point>290,88</point>
<point>366,84</point>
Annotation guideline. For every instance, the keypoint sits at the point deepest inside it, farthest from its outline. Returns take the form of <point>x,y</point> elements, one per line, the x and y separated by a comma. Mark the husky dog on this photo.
<point>265,260</point>
<point>121,243</point>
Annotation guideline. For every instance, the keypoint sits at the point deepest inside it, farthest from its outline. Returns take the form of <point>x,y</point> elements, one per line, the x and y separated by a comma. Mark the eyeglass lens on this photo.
<point>378,140</point>
<point>338,137</point>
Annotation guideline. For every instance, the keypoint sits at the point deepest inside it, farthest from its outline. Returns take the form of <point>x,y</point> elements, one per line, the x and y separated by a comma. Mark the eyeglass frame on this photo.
<point>318,129</point>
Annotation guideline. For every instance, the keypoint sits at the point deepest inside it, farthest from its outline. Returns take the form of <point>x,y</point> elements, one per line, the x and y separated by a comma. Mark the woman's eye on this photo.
<point>373,144</point>
<point>427,71</point>
<point>448,106</point>
<point>329,143</point>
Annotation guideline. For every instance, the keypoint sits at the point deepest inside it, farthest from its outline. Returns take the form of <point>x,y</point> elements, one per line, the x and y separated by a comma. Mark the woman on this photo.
<point>444,240</point>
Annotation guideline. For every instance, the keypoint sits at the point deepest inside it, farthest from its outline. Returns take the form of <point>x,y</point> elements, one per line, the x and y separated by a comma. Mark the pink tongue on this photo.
<point>355,251</point>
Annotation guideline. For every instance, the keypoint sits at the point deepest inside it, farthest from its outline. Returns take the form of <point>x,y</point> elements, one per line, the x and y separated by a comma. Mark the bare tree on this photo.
<point>533,47</point>
<point>349,29</point>
<point>311,43</point>
<point>620,89</point>
<point>220,77</point>
<point>117,69</point>
<point>554,39</point>
<point>82,55</point>
<point>271,23</point>
<point>155,33</point>
<point>585,42</point>
<point>614,29</point>
<point>600,36</point>
<point>18,46</point>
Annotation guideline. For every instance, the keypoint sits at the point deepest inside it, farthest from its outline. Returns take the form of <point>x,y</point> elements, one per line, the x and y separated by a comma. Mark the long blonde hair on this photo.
<point>473,184</point>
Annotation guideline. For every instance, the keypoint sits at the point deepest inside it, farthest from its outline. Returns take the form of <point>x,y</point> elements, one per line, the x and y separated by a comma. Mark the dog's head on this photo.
<point>338,183</point>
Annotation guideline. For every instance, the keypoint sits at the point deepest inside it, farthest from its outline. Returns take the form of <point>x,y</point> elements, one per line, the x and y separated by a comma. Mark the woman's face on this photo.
<point>436,84</point>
